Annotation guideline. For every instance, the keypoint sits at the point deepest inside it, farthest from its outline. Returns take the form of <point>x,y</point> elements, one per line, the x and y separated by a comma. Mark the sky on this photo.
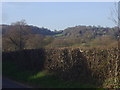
<point>58,15</point>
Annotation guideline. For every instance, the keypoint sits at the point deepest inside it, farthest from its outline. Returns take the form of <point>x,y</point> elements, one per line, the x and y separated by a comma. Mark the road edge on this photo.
<point>16,82</point>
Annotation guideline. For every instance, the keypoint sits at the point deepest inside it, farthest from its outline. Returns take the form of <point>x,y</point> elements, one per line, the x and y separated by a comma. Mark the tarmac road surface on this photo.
<point>7,83</point>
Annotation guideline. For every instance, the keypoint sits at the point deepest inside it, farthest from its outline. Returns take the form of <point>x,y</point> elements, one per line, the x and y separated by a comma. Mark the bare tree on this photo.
<point>17,33</point>
<point>115,17</point>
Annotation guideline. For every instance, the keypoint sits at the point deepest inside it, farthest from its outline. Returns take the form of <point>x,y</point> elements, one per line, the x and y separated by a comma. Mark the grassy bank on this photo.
<point>42,79</point>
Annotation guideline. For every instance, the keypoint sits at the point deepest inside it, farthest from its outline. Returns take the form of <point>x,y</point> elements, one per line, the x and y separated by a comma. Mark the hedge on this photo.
<point>70,63</point>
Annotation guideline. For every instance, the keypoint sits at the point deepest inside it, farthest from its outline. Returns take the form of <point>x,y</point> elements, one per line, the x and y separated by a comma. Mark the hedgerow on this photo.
<point>91,65</point>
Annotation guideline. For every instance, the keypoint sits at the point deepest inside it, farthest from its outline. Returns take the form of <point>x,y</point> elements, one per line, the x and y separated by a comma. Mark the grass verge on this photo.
<point>42,79</point>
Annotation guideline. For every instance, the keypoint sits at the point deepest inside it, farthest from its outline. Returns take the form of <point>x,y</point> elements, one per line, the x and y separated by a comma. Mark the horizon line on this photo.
<point>66,27</point>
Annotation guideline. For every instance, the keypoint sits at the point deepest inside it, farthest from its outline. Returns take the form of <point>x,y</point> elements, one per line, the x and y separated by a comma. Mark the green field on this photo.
<point>57,35</point>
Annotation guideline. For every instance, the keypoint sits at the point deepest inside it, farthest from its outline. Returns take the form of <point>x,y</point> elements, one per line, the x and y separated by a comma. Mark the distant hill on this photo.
<point>33,30</point>
<point>73,36</point>
<point>87,36</point>
<point>89,32</point>
<point>82,32</point>
<point>85,32</point>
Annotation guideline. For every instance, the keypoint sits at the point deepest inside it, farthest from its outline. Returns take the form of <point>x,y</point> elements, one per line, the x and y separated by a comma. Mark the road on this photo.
<point>7,83</point>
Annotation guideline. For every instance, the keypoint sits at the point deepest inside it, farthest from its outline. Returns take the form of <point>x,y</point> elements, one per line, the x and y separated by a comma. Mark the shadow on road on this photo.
<point>7,83</point>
